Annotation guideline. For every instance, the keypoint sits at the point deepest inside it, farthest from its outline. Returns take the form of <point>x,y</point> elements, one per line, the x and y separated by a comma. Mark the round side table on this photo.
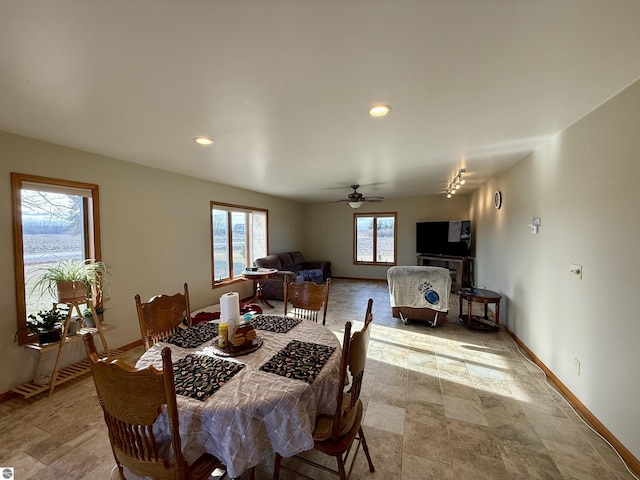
<point>258,276</point>
<point>480,295</point>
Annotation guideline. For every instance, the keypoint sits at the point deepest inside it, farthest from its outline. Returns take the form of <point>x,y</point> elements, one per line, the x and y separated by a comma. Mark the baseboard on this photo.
<point>630,460</point>
<point>361,279</point>
<point>7,396</point>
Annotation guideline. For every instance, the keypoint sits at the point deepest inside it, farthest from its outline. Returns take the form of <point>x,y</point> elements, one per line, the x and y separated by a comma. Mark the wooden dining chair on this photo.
<point>335,434</point>
<point>308,299</point>
<point>368,315</point>
<point>162,315</point>
<point>368,318</point>
<point>131,400</point>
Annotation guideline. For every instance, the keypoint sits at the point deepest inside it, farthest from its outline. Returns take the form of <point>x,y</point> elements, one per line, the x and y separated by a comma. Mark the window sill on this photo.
<point>380,264</point>
<point>224,283</point>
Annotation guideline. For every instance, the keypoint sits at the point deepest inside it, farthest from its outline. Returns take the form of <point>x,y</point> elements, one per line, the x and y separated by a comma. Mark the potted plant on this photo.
<point>47,324</point>
<point>70,280</point>
<point>88,316</point>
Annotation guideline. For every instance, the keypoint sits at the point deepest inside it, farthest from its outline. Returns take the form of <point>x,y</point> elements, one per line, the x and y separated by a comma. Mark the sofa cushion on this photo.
<point>286,261</point>
<point>298,260</point>
<point>309,275</point>
<point>270,261</point>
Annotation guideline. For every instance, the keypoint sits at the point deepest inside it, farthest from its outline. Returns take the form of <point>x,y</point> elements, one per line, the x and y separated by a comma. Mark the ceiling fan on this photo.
<point>355,199</point>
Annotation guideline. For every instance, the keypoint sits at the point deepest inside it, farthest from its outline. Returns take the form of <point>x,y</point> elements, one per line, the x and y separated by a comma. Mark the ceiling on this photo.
<point>284,87</point>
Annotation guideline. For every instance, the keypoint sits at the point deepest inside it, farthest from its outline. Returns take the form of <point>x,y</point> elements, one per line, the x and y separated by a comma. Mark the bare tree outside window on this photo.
<point>58,220</point>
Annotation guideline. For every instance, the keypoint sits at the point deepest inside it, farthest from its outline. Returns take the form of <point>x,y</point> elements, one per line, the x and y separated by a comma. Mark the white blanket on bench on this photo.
<point>419,287</point>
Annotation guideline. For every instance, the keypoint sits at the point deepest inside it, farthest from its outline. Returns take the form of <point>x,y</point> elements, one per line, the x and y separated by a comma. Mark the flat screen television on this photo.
<point>451,239</point>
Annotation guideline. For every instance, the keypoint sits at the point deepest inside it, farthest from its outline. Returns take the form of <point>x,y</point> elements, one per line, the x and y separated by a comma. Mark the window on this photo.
<point>238,237</point>
<point>52,220</point>
<point>374,238</point>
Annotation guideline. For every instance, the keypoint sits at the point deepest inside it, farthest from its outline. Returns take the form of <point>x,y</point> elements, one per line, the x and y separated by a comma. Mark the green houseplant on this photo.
<point>47,324</point>
<point>88,316</point>
<point>70,280</point>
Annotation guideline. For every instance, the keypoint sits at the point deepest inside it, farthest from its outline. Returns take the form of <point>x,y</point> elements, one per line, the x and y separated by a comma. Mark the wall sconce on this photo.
<point>535,223</point>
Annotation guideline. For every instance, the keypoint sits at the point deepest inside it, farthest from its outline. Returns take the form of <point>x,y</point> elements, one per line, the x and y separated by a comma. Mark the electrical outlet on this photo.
<point>575,271</point>
<point>576,365</point>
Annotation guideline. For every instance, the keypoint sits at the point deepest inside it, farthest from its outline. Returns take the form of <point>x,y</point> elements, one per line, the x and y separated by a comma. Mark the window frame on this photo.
<point>91,221</point>
<point>375,216</point>
<point>231,208</point>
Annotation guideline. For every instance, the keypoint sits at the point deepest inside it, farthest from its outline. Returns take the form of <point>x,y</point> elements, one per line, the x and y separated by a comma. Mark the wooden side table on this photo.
<point>258,276</point>
<point>480,295</point>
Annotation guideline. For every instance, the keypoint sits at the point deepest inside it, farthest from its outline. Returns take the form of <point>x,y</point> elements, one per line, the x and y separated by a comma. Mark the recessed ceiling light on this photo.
<point>379,110</point>
<point>203,141</point>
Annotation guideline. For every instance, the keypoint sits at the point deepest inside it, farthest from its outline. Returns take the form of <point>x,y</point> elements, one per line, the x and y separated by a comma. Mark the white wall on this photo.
<point>329,230</point>
<point>155,237</point>
<point>584,187</point>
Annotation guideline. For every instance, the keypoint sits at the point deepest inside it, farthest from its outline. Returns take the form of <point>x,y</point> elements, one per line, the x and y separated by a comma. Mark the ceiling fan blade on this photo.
<point>356,197</point>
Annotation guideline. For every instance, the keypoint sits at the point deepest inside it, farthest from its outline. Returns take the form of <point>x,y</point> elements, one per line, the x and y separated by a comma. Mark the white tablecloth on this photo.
<point>256,412</point>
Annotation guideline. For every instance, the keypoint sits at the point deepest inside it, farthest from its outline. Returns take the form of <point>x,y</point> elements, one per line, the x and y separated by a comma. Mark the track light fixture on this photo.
<point>456,183</point>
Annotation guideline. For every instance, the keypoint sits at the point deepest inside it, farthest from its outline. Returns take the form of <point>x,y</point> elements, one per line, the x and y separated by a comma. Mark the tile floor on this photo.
<point>441,403</point>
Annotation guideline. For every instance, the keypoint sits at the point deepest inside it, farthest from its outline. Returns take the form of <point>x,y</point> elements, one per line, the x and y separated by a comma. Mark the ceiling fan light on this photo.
<point>379,110</point>
<point>203,140</point>
<point>355,205</point>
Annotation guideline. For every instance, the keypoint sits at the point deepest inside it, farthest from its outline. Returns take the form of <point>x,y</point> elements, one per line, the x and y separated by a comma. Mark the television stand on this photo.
<point>461,268</point>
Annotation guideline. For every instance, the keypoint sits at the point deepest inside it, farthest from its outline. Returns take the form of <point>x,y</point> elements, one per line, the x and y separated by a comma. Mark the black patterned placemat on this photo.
<point>200,376</point>
<point>299,360</point>
<point>194,336</point>
<point>274,323</point>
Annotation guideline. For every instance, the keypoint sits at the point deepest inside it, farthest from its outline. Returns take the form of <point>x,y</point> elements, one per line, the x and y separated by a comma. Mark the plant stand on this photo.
<point>75,370</point>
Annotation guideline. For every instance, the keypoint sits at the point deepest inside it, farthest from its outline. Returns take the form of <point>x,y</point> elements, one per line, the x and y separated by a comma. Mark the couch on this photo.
<point>291,266</point>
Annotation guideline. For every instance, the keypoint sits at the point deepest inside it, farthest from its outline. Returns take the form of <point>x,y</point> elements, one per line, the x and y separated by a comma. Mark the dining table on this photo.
<point>241,407</point>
